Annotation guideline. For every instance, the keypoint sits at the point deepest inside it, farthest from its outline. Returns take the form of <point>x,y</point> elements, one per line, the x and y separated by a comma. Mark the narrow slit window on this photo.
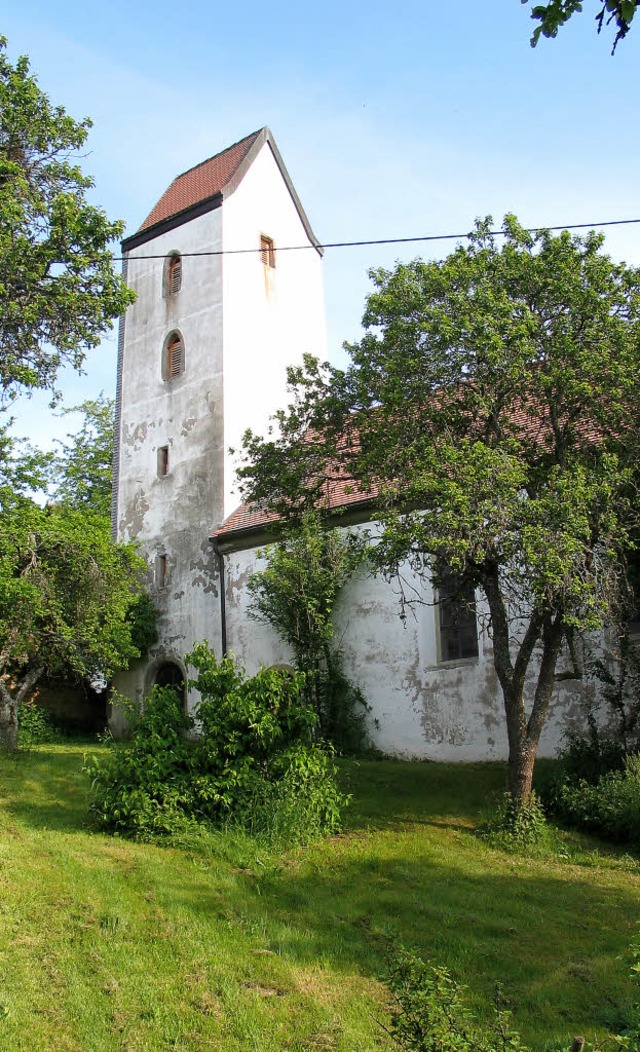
<point>161,571</point>
<point>163,461</point>
<point>173,364</point>
<point>267,251</point>
<point>458,630</point>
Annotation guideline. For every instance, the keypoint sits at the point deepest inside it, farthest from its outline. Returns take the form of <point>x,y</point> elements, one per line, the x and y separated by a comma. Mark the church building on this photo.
<point>228,276</point>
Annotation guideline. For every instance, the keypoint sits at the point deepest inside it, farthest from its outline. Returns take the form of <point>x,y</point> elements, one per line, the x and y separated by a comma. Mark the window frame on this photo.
<point>173,340</point>
<point>161,571</point>
<point>267,251</point>
<point>456,616</point>
<point>172,275</point>
<point>162,461</point>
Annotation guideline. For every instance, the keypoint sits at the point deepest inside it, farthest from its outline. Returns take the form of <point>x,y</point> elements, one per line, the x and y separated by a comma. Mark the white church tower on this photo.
<point>221,310</point>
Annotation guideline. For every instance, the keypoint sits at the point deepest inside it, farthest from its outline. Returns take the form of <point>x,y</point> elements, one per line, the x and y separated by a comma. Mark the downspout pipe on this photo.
<point>223,601</point>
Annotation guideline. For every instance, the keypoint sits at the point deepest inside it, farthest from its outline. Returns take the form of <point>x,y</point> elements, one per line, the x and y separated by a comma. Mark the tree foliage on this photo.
<point>491,409</point>
<point>296,592</point>
<point>59,291</point>
<point>554,14</point>
<point>67,601</point>
<point>82,469</point>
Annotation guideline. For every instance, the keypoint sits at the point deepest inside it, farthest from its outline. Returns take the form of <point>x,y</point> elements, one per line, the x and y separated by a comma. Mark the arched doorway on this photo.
<point>168,673</point>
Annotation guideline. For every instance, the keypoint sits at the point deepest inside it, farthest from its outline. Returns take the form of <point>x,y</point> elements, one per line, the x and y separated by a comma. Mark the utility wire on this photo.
<point>386,241</point>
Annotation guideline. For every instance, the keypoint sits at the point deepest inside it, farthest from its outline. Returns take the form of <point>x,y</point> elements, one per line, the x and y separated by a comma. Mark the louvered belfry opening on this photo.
<point>267,253</point>
<point>174,357</point>
<point>175,274</point>
<point>172,275</point>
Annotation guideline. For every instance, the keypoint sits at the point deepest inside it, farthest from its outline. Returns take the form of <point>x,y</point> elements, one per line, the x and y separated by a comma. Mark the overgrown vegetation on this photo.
<point>225,942</point>
<point>36,726</point>
<point>492,406</point>
<point>597,785</point>
<point>253,763</point>
<point>429,1013</point>
<point>297,592</point>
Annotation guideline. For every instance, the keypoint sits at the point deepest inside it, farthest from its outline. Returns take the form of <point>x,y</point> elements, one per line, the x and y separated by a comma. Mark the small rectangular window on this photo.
<point>161,571</point>
<point>267,251</point>
<point>458,631</point>
<point>163,461</point>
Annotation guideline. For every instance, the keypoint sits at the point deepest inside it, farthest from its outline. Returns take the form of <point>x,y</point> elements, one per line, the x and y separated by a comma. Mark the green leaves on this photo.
<point>59,292</point>
<point>554,14</point>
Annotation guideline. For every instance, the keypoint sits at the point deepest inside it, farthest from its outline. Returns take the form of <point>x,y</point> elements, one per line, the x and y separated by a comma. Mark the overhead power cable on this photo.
<point>388,240</point>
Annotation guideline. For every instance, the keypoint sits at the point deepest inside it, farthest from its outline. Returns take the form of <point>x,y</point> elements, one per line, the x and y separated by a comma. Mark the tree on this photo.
<point>69,599</point>
<point>59,291</point>
<point>491,407</point>
<point>296,592</point>
<point>82,470</point>
<point>555,13</point>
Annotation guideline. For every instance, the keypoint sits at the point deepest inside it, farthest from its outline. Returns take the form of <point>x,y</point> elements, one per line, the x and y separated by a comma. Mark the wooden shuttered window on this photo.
<point>267,252</point>
<point>172,275</point>
<point>174,355</point>
<point>161,574</point>
<point>175,275</point>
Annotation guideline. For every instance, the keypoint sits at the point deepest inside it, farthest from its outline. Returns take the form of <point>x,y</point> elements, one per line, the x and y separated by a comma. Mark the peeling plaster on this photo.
<point>132,518</point>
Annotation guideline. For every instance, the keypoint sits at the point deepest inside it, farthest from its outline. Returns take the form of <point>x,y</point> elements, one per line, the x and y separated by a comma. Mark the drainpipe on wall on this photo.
<point>223,605</point>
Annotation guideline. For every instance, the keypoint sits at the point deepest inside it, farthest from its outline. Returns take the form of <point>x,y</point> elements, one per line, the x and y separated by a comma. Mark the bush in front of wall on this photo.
<point>253,764</point>
<point>257,760</point>
<point>36,726</point>
<point>143,787</point>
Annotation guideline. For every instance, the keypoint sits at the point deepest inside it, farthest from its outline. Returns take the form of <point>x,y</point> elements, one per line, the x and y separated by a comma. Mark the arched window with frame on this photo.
<point>172,275</point>
<point>173,356</point>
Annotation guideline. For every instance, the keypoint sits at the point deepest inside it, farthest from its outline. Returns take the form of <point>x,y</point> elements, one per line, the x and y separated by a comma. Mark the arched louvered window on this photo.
<point>173,356</point>
<point>172,275</point>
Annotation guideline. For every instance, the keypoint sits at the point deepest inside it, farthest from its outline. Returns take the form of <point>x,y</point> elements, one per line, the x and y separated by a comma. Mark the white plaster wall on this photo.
<point>271,315</point>
<point>175,515</point>
<point>421,707</point>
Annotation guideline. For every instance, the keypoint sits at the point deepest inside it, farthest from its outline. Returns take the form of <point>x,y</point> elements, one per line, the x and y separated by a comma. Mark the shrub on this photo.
<point>587,758</point>
<point>36,726</point>
<point>610,808</point>
<point>257,762</point>
<point>522,826</point>
<point>254,764</point>
<point>429,1014</point>
<point>143,787</point>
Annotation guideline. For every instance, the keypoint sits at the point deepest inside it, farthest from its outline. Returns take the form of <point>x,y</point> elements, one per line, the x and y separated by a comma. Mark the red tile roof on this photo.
<point>339,495</point>
<point>202,182</point>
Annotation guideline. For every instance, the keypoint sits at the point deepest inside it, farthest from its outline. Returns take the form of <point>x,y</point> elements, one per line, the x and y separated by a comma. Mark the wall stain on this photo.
<point>135,436</point>
<point>132,518</point>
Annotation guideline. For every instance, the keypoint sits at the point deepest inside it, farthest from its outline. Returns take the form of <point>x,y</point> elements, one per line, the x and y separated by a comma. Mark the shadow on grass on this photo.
<point>45,787</point>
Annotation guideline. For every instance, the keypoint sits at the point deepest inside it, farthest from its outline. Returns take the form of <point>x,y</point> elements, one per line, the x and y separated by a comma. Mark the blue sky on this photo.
<point>394,121</point>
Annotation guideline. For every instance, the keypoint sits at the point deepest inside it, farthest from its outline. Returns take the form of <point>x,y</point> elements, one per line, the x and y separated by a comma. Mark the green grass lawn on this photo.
<point>107,944</point>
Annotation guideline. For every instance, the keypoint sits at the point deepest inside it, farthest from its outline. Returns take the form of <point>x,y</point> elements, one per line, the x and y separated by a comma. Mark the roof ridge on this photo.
<point>253,135</point>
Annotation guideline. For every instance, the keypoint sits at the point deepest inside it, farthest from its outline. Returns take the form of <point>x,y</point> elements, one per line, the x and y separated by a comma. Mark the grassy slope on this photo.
<point>106,944</point>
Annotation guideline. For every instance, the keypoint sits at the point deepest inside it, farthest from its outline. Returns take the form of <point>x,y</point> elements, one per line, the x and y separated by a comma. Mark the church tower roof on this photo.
<point>202,188</point>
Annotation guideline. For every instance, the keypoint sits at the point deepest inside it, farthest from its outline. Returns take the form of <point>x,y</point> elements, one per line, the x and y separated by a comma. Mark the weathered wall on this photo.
<point>242,324</point>
<point>421,707</point>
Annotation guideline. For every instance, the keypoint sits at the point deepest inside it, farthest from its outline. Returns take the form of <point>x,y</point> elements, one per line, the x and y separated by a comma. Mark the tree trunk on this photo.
<point>521,763</point>
<point>10,708</point>
<point>8,723</point>
<point>523,733</point>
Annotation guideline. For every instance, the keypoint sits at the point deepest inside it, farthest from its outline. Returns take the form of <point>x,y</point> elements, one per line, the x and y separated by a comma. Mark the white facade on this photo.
<point>421,707</point>
<point>241,321</point>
